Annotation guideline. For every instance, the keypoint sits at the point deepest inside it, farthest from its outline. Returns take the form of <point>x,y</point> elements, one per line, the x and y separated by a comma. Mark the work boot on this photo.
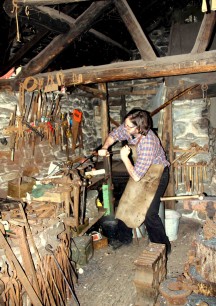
<point>117,243</point>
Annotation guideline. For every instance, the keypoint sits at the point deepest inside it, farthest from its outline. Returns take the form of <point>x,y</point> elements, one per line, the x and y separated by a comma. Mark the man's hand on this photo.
<point>125,151</point>
<point>103,152</point>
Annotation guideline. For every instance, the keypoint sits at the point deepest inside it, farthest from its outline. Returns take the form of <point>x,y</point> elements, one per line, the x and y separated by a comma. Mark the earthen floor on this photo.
<point>107,279</point>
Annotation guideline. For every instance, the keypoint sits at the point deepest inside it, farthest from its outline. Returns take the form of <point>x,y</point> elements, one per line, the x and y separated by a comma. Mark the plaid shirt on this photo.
<point>149,149</point>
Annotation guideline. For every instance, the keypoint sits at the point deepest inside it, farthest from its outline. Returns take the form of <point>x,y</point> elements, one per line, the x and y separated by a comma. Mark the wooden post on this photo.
<point>104,133</point>
<point>167,142</point>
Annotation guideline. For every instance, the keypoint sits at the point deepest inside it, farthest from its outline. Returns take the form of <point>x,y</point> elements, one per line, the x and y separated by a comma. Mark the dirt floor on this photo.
<point>107,279</point>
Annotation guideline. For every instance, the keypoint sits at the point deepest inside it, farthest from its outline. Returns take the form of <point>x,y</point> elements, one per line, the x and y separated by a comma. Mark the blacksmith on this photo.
<point>149,175</point>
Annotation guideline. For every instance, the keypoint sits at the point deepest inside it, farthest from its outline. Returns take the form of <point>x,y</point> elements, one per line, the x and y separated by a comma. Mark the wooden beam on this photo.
<point>108,202</point>
<point>47,2</point>
<point>205,33</point>
<point>23,50</point>
<point>165,66</point>
<point>49,18</point>
<point>42,32</point>
<point>142,43</point>
<point>83,23</point>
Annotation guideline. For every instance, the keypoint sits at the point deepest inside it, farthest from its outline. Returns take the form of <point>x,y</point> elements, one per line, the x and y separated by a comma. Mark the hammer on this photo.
<point>49,248</point>
<point>184,197</point>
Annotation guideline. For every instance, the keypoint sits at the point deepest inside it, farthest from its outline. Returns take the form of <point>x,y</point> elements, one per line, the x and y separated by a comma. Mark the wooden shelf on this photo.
<point>93,221</point>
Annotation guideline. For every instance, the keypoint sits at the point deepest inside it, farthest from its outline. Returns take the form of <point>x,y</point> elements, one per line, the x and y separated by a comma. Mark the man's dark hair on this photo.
<point>140,118</point>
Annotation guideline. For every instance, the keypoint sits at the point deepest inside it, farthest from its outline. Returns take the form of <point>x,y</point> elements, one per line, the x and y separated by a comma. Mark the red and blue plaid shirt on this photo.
<point>149,149</point>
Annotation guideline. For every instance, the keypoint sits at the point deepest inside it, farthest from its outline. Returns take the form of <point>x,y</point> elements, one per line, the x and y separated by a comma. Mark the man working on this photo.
<point>149,176</point>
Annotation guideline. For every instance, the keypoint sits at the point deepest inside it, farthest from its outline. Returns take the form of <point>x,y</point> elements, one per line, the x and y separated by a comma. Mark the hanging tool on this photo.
<point>33,129</point>
<point>49,248</point>
<point>83,199</point>
<point>77,117</point>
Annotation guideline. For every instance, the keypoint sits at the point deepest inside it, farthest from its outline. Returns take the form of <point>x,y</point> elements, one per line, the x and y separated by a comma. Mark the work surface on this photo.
<point>107,279</point>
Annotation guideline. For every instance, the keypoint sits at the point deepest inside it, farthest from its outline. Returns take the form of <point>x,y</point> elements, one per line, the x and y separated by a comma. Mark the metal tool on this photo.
<point>83,199</point>
<point>49,248</point>
<point>184,197</point>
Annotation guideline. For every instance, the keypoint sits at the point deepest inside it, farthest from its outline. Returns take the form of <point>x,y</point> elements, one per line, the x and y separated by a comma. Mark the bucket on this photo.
<point>140,231</point>
<point>109,226</point>
<point>172,223</point>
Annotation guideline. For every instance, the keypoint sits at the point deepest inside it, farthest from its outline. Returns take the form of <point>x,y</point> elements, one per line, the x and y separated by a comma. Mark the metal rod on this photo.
<point>184,197</point>
<point>49,248</point>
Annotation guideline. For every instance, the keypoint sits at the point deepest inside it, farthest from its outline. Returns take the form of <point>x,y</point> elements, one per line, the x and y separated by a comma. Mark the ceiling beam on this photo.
<point>22,51</point>
<point>133,26</point>
<point>47,2</point>
<point>161,67</point>
<point>49,18</point>
<point>42,32</point>
<point>205,33</point>
<point>59,43</point>
<point>71,22</point>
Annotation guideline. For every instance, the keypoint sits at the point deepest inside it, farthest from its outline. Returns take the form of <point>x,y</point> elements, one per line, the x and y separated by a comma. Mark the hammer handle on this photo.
<point>184,197</point>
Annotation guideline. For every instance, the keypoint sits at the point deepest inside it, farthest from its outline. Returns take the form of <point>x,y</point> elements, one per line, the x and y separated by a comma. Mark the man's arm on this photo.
<point>125,151</point>
<point>108,142</point>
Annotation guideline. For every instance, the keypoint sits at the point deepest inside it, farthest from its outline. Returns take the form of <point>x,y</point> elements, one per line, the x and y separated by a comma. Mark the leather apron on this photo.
<point>138,196</point>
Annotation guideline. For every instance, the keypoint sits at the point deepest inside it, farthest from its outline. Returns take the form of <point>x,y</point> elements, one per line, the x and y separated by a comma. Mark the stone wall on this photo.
<point>193,122</point>
<point>192,130</point>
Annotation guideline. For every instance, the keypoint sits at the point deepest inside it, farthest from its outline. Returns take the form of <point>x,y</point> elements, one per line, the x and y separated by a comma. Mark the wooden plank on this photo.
<point>93,221</point>
<point>205,33</point>
<point>142,43</point>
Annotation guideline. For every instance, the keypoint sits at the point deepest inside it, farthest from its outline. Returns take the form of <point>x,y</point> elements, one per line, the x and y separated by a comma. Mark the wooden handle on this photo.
<point>183,197</point>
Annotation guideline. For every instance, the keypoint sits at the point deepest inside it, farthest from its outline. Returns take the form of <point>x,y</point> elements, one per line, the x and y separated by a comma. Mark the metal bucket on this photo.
<point>109,226</point>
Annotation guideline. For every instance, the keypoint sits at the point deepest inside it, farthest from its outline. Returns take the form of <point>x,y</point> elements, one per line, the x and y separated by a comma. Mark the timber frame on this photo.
<point>199,63</point>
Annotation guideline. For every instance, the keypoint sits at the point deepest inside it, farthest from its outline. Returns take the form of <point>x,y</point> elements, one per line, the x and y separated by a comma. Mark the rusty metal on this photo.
<point>49,248</point>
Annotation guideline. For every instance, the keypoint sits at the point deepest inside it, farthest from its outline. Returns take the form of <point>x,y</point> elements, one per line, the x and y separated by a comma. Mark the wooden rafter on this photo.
<point>142,43</point>
<point>48,2</point>
<point>205,33</point>
<point>23,50</point>
<point>161,67</point>
<point>49,18</point>
<point>59,43</point>
<point>42,32</point>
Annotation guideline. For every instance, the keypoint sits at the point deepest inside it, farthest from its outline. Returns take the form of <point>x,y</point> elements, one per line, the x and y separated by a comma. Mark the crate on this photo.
<point>18,188</point>
<point>99,244</point>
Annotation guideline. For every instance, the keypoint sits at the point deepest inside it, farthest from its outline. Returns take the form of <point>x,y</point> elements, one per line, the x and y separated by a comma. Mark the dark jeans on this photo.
<point>153,223</point>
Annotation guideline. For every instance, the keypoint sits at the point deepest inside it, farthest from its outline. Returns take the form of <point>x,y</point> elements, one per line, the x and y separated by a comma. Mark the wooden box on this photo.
<point>17,188</point>
<point>99,244</point>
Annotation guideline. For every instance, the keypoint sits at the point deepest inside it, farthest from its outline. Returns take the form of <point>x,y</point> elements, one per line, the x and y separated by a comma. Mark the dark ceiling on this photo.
<point>37,31</point>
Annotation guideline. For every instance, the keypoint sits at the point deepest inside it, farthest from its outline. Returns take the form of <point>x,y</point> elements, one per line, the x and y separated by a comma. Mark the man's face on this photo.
<point>130,127</point>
